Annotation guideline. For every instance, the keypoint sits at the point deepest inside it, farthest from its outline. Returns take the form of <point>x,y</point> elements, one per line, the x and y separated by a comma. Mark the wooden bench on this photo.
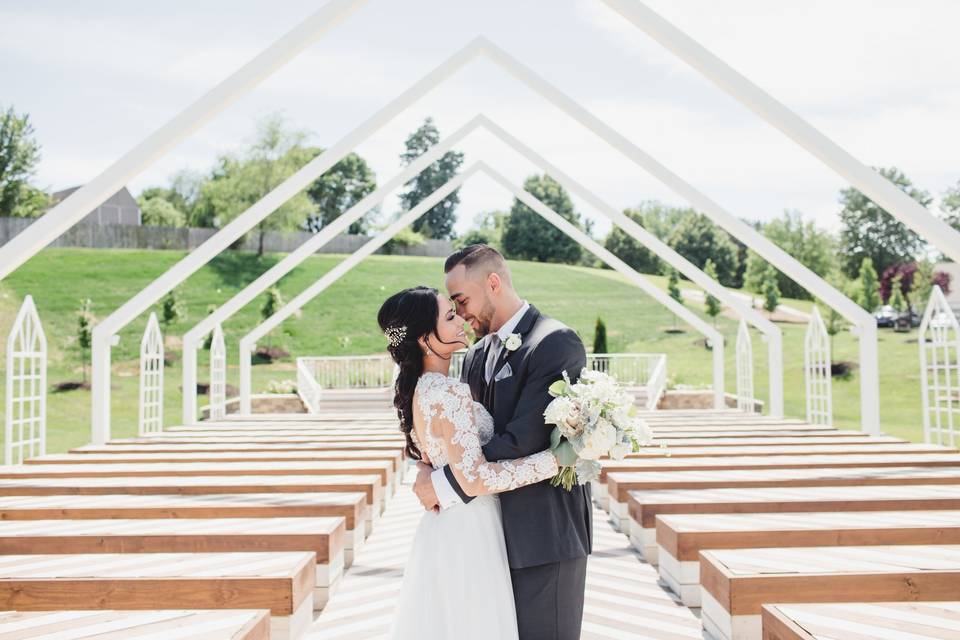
<point>620,484</point>
<point>887,620</point>
<point>325,442</point>
<point>383,469</point>
<point>768,440</point>
<point>226,624</point>
<point>726,463</point>
<point>324,537</point>
<point>786,450</point>
<point>736,583</point>
<point>193,485</point>
<point>349,506</point>
<point>214,445</point>
<point>681,538</point>
<point>645,506</point>
<point>733,434</point>
<point>283,583</point>
<point>266,434</point>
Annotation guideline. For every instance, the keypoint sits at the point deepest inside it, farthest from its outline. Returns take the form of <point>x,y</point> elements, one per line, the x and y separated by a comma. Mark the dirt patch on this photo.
<point>70,385</point>
<point>842,369</point>
<point>203,389</point>
<point>267,355</point>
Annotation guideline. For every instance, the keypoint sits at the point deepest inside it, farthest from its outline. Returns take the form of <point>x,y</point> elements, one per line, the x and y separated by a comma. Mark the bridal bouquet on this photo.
<point>595,417</point>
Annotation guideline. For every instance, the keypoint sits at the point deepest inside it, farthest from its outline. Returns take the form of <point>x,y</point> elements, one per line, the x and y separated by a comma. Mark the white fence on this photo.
<point>218,375</point>
<point>745,399</point>
<point>645,372</point>
<point>817,371</point>
<point>939,339</point>
<point>26,399</point>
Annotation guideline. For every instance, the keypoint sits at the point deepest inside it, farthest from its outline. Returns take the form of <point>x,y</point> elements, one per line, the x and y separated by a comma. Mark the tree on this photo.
<point>771,293</point>
<point>439,220</point>
<point>172,308</point>
<point>487,229</point>
<point>528,236</point>
<point>698,239</point>
<point>950,205</point>
<point>342,186</point>
<point>712,304</point>
<point>271,304</point>
<point>158,212</point>
<point>240,180</point>
<point>85,322</point>
<point>183,194</point>
<point>19,155</point>
<point>923,282</point>
<point>813,247</point>
<point>869,287</point>
<point>600,337</point>
<point>870,232</point>
<point>897,300</point>
<point>673,282</point>
<point>208,341</point>
<point>652,216</point>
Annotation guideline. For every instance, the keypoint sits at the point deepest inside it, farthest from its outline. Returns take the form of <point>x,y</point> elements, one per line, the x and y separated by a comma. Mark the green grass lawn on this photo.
<point>342,321</point>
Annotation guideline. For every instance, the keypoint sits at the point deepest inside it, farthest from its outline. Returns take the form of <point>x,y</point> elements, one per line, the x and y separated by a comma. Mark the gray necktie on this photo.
<point>492,356</point>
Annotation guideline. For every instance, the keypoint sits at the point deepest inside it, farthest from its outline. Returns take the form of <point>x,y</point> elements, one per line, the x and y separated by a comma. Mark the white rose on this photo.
<point>597,442</point>
<point>513,341</point>
<point>620,450</point>
<point>559,410</point>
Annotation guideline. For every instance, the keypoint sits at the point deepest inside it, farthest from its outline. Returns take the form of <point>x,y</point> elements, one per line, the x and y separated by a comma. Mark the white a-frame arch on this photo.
<point>248,342</point>
<point>192,338</point>
<point>104,333</point>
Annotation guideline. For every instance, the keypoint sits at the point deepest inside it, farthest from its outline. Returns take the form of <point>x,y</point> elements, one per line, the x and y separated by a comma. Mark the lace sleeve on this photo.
<point>447,408</point>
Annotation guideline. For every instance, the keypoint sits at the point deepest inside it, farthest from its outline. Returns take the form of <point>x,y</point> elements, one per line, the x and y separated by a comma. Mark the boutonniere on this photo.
<point>512,343</point>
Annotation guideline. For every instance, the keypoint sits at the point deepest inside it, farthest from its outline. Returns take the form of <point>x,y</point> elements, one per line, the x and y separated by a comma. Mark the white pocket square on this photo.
<point>506,372</point>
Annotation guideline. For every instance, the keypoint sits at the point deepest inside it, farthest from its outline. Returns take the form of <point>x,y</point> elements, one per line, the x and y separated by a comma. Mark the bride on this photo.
<point>457,579</point>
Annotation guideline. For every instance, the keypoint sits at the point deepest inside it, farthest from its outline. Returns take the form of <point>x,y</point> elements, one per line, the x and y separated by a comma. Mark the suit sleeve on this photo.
<point>527,433</point>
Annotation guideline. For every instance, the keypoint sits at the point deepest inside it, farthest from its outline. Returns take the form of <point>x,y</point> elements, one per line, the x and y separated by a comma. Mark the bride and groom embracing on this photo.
<point>500,553</point>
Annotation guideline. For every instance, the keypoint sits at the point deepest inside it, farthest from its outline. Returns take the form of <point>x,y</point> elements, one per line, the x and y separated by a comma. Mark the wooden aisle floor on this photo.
<point>623,599</point>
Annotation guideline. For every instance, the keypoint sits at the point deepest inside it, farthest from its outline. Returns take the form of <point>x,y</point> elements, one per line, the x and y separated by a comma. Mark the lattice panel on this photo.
<point>817,371</point>
<point>25,432</point>
<point>745,397</point>
<point>940,370</point>
<point>218,375</point>
<point>151,379</point>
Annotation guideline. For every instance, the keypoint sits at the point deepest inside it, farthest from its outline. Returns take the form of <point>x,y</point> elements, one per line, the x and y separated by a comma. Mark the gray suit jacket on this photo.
<point>542,524</point>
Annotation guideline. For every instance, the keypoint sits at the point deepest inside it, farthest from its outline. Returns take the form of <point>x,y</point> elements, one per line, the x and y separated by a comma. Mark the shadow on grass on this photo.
<point>239,268</point>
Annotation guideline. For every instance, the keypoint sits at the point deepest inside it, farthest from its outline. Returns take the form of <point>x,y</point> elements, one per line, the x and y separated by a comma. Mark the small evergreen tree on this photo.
<point>84,332</point>
<point>272,304</point>
<point>208,341</point>
<point>712,304</point>
<point>172,308</point>
<point>897,300</point>
<point>771,293</point>
<point>673,288</point>
<point>869,286</point>
<point>600,337</point>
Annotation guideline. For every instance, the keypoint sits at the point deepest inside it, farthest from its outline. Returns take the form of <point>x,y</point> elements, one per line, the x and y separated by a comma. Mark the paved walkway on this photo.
<point>623,599</point>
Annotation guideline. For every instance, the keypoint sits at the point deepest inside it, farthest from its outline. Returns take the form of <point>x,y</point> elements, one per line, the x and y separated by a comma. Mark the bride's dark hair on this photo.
<point>406,317</point>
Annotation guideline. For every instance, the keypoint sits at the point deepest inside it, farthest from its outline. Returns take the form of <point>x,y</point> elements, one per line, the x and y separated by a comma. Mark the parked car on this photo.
<point>887,316</point>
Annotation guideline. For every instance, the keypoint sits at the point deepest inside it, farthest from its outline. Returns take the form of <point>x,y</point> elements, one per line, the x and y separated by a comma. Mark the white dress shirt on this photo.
<point>446,495</point>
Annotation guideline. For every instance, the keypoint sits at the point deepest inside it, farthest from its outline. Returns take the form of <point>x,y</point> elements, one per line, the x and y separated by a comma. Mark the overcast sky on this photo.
<point>881,78</point>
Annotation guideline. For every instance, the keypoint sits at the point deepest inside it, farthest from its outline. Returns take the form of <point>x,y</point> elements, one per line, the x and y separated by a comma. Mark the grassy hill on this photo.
<point>342,321</point>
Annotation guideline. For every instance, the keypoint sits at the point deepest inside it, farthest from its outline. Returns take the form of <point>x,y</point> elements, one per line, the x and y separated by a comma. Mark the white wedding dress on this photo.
<point>457,578</point>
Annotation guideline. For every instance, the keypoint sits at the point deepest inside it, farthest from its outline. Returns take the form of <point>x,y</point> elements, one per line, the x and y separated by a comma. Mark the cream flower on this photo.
<point>513,341</point>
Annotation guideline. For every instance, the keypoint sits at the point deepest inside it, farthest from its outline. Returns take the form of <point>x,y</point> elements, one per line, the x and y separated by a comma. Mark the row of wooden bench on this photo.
<point>822,534</point>
<point>230,530</point>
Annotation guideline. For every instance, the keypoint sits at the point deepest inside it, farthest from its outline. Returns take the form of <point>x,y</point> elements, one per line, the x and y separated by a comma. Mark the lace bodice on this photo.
<point>455,428</point>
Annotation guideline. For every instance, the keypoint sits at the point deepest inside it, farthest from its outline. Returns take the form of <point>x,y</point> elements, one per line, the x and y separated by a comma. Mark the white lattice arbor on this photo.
<point>218,375</point>
<point>940,371</point>
<point>745,396</point>
<point>25,433</point>
<point>248,342</point>
<point>817,371</point>
<point>151,379</point>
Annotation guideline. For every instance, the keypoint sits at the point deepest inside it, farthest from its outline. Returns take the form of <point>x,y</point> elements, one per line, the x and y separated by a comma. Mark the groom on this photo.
<point>548,530</point>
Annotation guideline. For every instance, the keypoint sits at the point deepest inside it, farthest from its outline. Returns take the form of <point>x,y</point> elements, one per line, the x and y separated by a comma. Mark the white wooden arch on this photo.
<point>745,394</point>
<point>151,379</point>
<point>192,338</point>
<point>817,372</point>
<point>218,376</point>
<point>25,430</point>
<point>72,209</point>
<point>939,340</point>
<point>104,333</point>
<point>248,342</point>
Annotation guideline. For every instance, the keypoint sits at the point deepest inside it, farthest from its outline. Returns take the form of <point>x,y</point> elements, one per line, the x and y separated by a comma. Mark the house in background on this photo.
<point>120,208</point>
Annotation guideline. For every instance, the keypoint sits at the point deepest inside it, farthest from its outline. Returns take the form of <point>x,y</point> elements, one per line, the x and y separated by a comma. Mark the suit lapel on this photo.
<point>523,327</point>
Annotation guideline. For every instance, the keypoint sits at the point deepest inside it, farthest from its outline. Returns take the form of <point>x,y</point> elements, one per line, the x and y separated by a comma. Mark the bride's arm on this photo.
<point>453,422</point>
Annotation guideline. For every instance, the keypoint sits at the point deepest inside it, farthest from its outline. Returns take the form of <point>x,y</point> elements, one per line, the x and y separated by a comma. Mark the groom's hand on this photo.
<point>423,487</point>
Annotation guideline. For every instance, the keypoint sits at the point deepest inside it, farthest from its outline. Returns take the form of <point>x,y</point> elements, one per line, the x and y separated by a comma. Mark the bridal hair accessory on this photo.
<point>395,335</point>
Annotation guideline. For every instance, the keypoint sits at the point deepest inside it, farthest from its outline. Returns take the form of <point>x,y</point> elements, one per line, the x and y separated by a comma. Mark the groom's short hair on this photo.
<point>478,256</point>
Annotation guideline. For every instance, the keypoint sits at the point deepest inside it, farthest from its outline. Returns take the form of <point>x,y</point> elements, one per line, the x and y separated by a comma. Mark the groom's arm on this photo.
<point>526,433</point>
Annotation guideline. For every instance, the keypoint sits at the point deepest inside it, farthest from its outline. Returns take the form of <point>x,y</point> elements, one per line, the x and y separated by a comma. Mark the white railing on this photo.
<point>940,370</point>
<point>745,399</point>
<point>151,379</point>
<point>307,387</point>
<point>218,375</point>
<point>639,370</point>
<point>817,371</point>
<point>26,399</point>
